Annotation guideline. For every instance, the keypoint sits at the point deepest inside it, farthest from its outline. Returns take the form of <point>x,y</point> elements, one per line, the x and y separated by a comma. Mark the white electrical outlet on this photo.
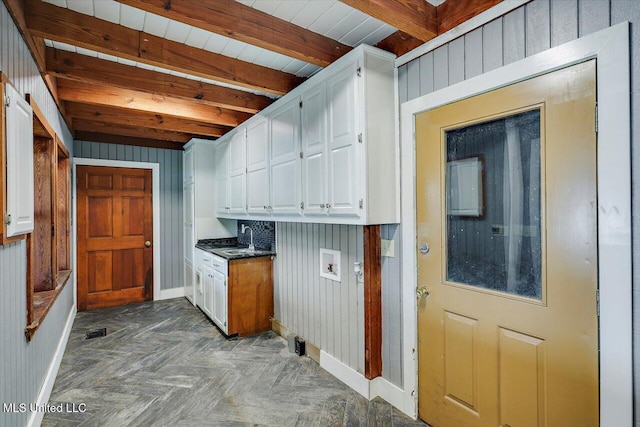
<point>387,248</point>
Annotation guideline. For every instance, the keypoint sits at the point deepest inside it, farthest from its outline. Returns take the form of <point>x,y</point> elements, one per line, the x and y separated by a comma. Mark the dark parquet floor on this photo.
<point>165,364</point>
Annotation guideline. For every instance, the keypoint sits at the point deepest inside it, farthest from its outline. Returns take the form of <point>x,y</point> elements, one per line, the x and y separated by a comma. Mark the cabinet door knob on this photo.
<point>147,243</point>
<point>328,206</point>
<point>322,206</point>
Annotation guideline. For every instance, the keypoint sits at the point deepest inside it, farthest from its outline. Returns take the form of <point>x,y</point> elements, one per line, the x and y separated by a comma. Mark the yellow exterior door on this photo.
<point>507,251</point>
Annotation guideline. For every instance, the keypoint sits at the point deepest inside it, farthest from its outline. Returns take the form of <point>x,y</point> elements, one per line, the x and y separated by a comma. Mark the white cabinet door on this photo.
<point>188,201</point>
<point>198,292</point>
<point>188,282</point>
<point>219,314</point>
<point>344,173</point>
<point>314,150</point>
<point>207,303</point>
<point>237,173</point>
<point>189,245</point>
<point>285,159</point>
<point>258,197</point>
<point>187,165</point>
<point>20,192</point>
<point>222,178</point>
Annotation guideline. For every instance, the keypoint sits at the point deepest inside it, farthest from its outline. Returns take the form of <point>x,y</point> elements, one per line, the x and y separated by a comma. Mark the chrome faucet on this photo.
<point>244,229</point>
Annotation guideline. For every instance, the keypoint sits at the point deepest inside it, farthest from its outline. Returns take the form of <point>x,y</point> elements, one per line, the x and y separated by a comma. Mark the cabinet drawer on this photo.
<point>219,264</point>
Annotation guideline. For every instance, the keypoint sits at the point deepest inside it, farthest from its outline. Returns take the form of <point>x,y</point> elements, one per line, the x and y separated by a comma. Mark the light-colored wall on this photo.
<point>23,366</point>
<point>391,313</point>
<point>171,232</point>
<point>525,31</point>
<point>326,313</point>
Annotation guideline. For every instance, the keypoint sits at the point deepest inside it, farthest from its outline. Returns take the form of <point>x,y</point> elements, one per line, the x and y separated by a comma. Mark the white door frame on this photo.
<point>610,47</point>
<point>155,194</point>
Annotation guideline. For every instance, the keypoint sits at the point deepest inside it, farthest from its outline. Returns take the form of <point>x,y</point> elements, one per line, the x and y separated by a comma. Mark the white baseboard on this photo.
<point>171,293</point>
<point>383,388</point>
<point>344,373</point>
<point>50,379</point>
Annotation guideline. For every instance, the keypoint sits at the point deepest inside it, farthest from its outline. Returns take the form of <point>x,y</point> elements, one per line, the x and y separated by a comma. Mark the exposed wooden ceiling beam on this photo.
<point>453,13</point>
<point>87,69</point>
<point>415,17</point>
<point>399,43</point>
<point>147,133</point>
<point>71,90</point>
<point>237,21</point>
<point>140,119</point>
<point>126,140</point>
<point>64,25</point>
<point>449,15</point>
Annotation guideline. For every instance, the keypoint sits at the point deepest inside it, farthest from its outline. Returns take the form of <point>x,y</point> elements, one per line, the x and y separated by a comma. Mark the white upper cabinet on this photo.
<point>222,178</point>
<point>314,149</point>
<point>285,159</point>
<point>343,156</point>
<point>19,213</point>
<point>258,191</point>
<point>238,172</point>
<point>332,148</point>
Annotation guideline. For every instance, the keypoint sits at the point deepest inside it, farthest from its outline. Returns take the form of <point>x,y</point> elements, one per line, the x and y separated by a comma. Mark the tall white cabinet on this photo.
<point>332,149</point>
<point>199,169</point>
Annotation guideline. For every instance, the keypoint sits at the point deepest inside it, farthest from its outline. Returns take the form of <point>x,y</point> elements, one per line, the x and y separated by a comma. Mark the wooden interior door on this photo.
<point>507,256</point>
<point>115,230</point>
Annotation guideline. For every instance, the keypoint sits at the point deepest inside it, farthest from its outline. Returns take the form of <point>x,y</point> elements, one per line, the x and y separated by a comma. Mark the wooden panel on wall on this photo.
<point>63,207</point>
<point>170,161</point>
<point>372,302</point>
<point>326,313</point>
<point>43,256</point>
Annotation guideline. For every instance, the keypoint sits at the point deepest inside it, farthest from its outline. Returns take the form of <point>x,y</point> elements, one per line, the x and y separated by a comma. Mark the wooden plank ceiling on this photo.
<point>160,72</point>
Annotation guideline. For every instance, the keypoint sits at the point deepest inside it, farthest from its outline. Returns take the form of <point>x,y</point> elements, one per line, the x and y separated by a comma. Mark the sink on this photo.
<point>243,251</point>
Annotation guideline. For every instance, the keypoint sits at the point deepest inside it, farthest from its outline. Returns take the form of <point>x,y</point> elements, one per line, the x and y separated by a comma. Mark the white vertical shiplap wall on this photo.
<point>326,313</point>
<point>525,31</point>
<point>391,313</point>
<point>23,366</point>
<point>171,238</point>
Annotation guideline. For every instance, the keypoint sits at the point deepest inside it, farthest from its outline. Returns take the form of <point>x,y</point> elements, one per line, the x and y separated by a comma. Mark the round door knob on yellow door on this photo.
<point>422,292</point>
<point>147,243</point>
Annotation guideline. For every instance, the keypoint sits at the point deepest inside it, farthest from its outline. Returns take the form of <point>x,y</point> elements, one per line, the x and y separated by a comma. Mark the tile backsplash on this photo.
<point>264,234</point>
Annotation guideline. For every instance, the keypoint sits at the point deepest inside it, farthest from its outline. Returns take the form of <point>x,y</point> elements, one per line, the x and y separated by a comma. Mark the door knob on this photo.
<point>422,292</point>
<point>424,248</point>
<point>147,243</point>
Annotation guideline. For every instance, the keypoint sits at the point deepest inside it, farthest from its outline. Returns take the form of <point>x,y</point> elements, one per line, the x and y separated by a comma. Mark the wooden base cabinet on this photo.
<point>237,295</point>
<point>250,296</point>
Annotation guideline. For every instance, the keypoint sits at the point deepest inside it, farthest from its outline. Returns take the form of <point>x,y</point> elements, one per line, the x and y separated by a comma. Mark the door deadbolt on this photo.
<point>424,248</point>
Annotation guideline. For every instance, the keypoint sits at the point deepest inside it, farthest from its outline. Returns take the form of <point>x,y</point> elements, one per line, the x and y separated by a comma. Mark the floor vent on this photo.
<point>97,333</point>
